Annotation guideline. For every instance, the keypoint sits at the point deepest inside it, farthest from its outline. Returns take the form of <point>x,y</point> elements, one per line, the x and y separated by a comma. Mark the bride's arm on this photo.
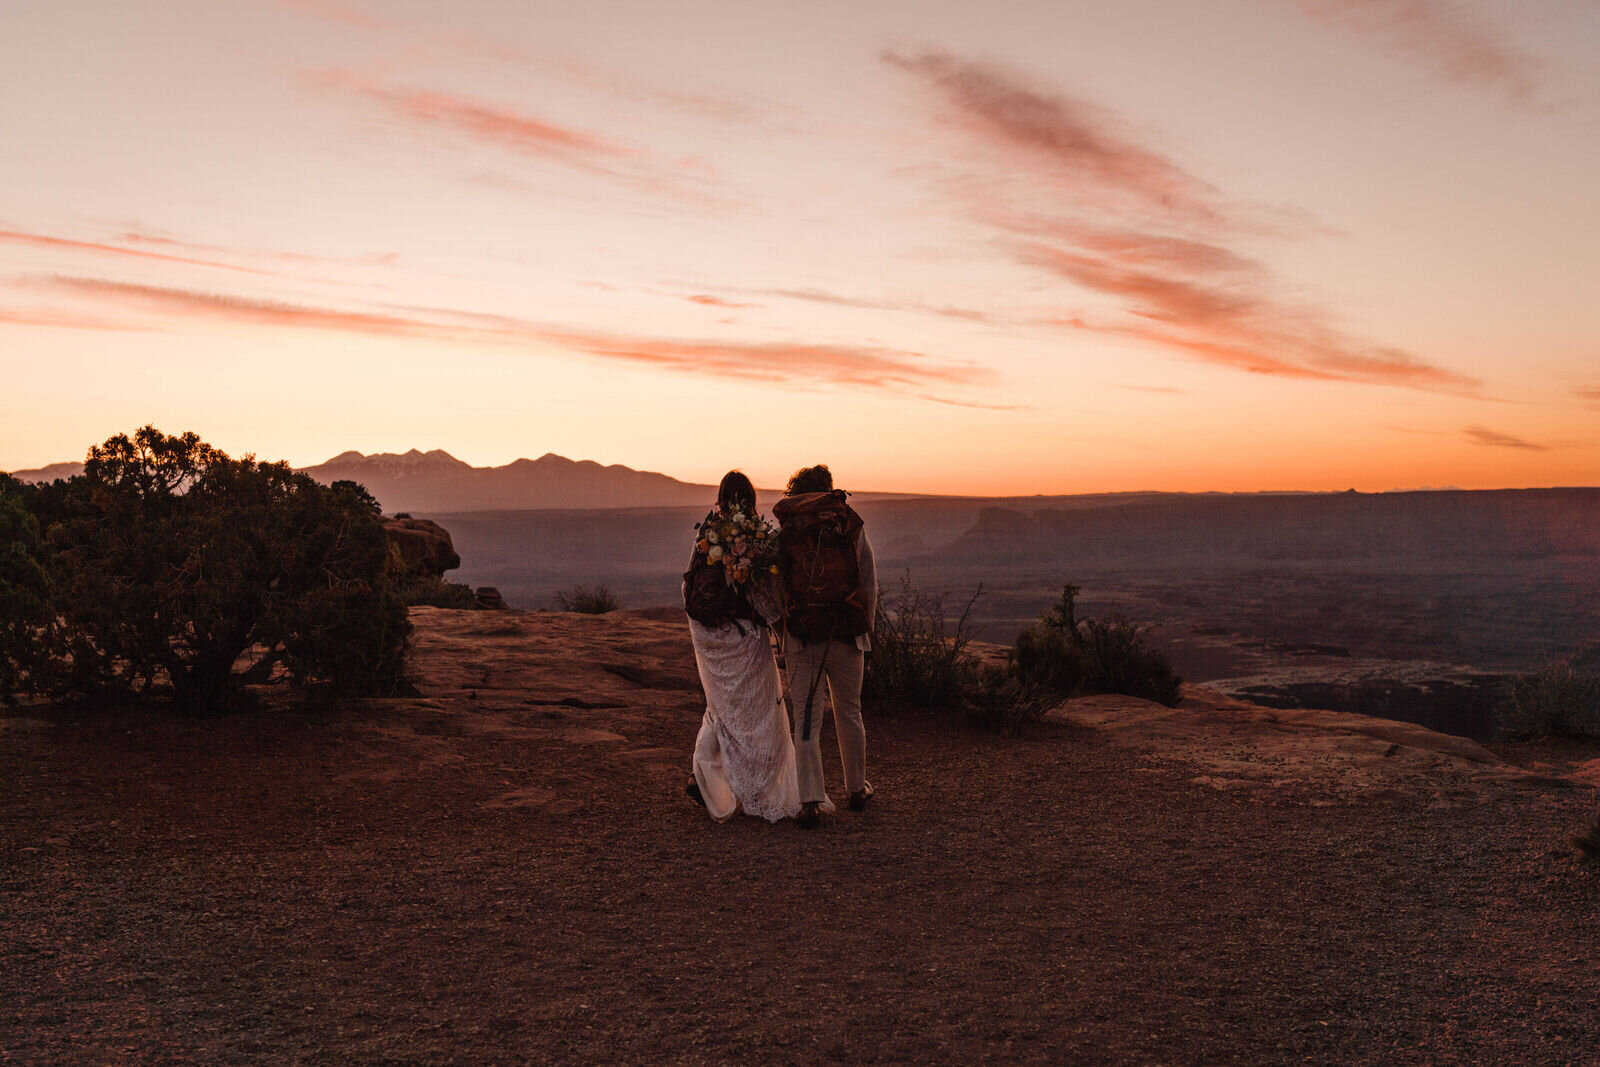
<point>767,596</point>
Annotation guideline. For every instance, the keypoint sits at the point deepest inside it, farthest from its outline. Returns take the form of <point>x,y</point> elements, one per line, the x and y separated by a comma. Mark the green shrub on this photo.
<point>25,618</point>
<point>1560,699</point>
<point>919,660</point>
<point>172,568</point>
<point>1066,654</point>
<point>586,601</point>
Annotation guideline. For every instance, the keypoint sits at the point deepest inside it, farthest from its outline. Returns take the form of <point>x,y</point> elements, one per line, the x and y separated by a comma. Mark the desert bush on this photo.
<point>586,601</point>
<point>1049,653</point>
<point>1003,702</point>
<point>921,659</point>
<point>172,567</point>
<point>917,658</point>
<point>1561,698</point>
<point>1586,840</point>
<point>1065,653</point>
<point>433,591</point>
<point>1119,660</point>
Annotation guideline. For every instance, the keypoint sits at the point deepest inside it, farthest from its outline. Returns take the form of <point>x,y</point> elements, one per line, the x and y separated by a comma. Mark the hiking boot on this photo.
<point>692,791</point>
<point>809,818</point>
<point>858,799</point>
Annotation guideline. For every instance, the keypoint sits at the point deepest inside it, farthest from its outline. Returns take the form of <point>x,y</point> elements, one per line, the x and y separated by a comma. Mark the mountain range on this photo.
<point>436,481</point>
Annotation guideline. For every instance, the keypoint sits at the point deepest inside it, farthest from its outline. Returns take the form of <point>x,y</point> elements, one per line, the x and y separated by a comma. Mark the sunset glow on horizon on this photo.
<point>989,249</point>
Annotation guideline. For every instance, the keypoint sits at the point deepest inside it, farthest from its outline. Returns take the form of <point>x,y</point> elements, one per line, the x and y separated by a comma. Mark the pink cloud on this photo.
<point>371,259</point>
<point>1589,394</point>
<point>1234,324</point>
<point>244,309</point>
<point>495,125</point>
<point>823,296</point>
<point>1136,228</point>
<point>1134,248</point>
<point>66,320</point>
<point>1065,139</point>
<point>39,240</point>
<point>1480,435</point>
<point>1167,297</point>
<point>1163,389</point>
<point>801,365</point>
<point>1449,40</point>
<point>877,368</point>
<point>716,301</point>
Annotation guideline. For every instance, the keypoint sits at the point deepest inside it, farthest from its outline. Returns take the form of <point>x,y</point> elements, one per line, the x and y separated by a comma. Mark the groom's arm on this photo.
<point>868,570</point>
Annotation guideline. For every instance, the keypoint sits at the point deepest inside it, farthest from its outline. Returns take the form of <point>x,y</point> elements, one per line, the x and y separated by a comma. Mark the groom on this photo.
<point>832,587</point>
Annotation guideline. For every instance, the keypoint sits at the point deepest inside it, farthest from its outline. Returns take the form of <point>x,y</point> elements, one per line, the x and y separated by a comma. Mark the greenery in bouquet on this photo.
<point>740,542</point>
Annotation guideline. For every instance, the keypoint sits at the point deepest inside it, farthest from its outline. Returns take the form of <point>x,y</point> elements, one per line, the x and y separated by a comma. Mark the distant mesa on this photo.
<point>436,482</point>
<point>50,473</point>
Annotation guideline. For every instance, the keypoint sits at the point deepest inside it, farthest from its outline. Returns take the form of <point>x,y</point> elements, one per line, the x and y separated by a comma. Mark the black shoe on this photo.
<point>809,818</point>
<point>858,799</point>
<point>692,790</point>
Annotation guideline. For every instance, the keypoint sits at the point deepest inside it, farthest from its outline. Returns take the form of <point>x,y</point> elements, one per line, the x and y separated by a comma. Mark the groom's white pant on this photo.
<point>841,672</point>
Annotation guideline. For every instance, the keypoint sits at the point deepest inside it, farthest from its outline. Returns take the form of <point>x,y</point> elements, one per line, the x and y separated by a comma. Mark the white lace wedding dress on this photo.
<point>744,756</point>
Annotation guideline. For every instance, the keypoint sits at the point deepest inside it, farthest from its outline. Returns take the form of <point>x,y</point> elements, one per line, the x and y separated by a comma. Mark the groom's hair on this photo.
<point>736,492</point>
<point>818,479</point>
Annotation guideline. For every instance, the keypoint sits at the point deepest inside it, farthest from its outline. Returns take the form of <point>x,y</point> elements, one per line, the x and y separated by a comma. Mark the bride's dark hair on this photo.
<point>736,492</point>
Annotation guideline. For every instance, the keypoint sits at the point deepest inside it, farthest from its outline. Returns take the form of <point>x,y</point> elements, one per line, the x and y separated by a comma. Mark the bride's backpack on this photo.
<point>708,598</point>
<point>818,544</point>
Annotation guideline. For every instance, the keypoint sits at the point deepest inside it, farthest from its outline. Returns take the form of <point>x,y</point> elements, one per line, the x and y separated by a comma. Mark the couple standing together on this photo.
<point>812,580</point>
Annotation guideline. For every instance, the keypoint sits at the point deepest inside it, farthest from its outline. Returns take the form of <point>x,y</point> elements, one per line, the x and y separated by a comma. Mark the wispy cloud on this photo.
<point>796,364</point>
<point>371,259</point>
<point>1449,40</point>
<point>716,301</point>
<point>823,296</point>
<point>484,122</point>
<point>63,320</point>
<point>164,250</point>
<point>243,309</point>
<point>1230,321</point>
<point>877,368</point>
<point>437,113</point>
<point>1589,394</point>
<point>427,36</point>
<point>1068,140</point>
<point>1481,435</point>
<point>1163,389</point>
<point>1078,196</point>
<point>41,240</point>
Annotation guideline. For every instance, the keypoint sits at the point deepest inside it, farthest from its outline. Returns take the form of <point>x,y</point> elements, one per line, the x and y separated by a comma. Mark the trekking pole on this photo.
<point>822,670</point>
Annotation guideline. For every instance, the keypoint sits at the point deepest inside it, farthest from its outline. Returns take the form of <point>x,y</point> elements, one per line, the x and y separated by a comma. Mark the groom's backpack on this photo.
<point>708,598</point>
<point>818,541</point>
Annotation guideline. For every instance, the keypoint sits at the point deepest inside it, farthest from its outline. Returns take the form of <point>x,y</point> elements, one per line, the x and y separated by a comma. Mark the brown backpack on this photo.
<point>818,545</point>
<point>708,598</point>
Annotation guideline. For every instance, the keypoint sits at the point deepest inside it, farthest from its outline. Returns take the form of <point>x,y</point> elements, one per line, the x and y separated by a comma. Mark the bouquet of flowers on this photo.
<point>740,542</point>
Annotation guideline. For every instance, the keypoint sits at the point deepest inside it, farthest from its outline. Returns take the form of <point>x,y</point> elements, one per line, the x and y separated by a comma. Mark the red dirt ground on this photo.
<point>505,870</point>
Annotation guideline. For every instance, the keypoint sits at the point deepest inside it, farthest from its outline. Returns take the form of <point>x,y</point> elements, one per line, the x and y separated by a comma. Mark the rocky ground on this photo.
<point>504,869</point>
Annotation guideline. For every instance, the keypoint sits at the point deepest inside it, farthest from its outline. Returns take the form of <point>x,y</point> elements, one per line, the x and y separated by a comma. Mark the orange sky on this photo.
<point>1000,247</point>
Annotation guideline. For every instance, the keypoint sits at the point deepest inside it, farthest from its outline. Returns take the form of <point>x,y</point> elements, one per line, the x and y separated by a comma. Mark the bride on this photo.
<point>743,756</point>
